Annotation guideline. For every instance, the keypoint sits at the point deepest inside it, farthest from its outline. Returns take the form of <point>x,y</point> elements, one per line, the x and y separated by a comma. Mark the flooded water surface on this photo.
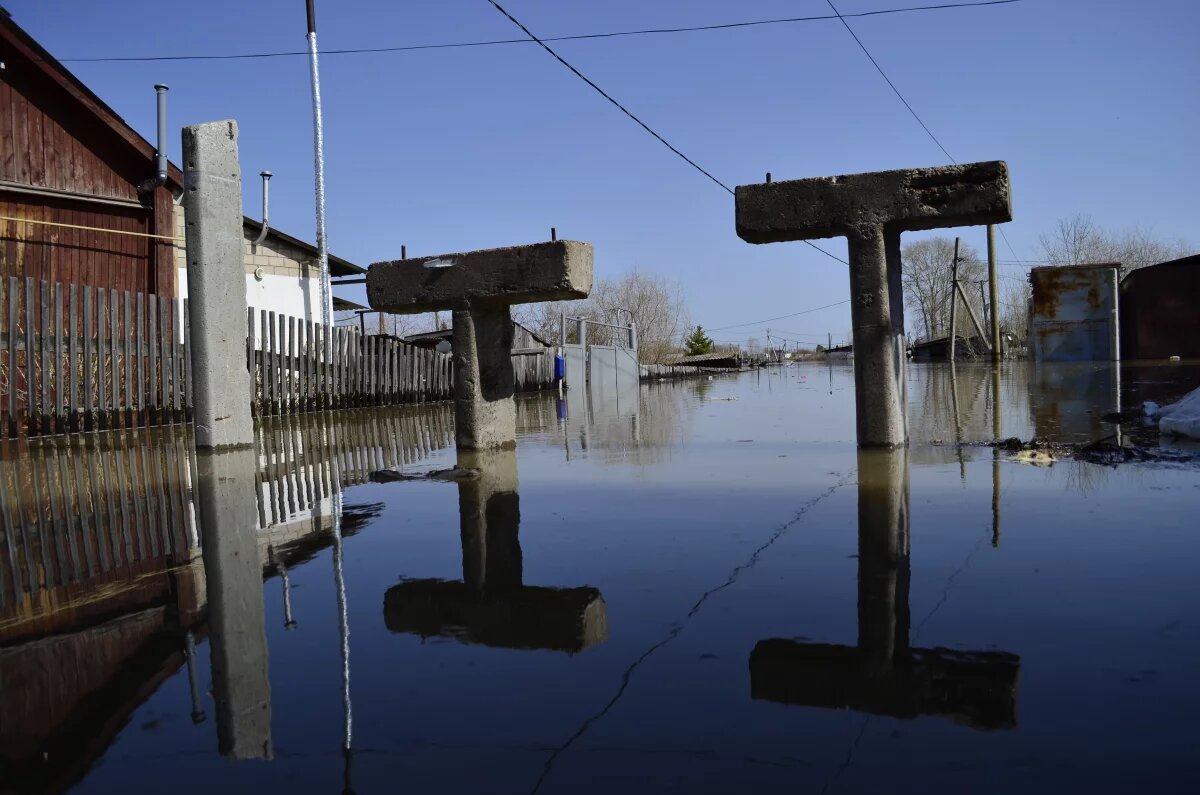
<point>701,586</point>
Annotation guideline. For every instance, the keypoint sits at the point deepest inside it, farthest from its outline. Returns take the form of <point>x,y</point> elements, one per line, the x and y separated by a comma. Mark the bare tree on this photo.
<point>1077,240</point>
<point>654,303</point>
<point>928,267</point>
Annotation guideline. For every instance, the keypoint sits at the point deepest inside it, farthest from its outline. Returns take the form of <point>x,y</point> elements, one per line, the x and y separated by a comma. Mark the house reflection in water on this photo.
<point>883,674</point>
<point>121,551</point>
<point>491,605</point>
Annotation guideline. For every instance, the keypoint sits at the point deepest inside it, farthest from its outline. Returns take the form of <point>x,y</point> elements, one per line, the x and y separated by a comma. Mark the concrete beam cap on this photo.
<point>903,200</point>
<point>559,270</point>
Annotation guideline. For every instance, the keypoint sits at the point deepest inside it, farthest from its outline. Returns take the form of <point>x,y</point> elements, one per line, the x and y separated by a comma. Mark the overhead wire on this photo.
<point>495,42</point>
<point>906,103</point>
<point>630,114</point>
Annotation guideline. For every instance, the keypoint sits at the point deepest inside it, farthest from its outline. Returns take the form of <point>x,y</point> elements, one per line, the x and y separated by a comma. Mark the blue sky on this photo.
<point>1095,104</point>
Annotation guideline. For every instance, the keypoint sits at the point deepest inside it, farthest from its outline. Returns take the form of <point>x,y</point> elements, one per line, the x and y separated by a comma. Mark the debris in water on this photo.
<point>452,475</point>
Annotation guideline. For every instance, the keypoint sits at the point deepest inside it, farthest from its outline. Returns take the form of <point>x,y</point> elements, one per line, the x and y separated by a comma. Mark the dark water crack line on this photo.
<point>675,631</point>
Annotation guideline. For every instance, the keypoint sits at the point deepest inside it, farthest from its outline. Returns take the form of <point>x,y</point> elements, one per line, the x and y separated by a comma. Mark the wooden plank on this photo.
<point>13,368</point>
<point>369,358</point>
<point>57,411</point>
<point>101,358</point>
<point>292,370</point>
<point>151,477</point>
<point>114,307</point>
<point>73,365</point>
<point>87,533</point>
<point>264,358</point>
<point>164,360</point>
<point>251,364</point>
<point>338,382</point>
<point>139,347</point>
<point>89,382</point>
<point>185,357</point>
<point>306,367</point>
<point>177,368</point>
<point>127,355</point>
<point>273,369</point>
<point>30,390</point>
<point>153,406</point>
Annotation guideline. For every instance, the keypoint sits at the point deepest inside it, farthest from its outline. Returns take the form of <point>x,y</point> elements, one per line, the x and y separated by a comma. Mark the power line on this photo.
<point>494,42</point>
<point>780,317</point>
<point>896,91</point>
<point>607,96</point>
<point>631,115</point>
<point>888,80</point>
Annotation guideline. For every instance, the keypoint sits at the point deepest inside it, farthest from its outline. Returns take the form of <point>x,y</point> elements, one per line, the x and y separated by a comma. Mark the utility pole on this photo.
<point>954,300</point>
<point>995,290</point>
<point>983,303</point>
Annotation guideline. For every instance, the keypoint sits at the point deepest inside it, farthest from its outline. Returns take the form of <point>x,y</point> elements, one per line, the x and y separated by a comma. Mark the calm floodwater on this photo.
<point>701,587</point>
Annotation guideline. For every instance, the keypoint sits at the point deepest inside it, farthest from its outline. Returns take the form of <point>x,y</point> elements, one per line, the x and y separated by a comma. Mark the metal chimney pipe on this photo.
<point>266,178</point>
<point>160,147</point>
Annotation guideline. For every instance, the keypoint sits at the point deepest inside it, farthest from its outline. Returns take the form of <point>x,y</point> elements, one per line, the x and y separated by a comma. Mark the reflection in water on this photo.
<point>227,508</point>
<point>883,674</point>
<point>635,427</point>
<point>491,605</point>
<point>105,592</point>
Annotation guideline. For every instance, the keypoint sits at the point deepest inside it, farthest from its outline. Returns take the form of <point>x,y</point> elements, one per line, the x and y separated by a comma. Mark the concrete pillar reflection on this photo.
<point>227,509</point>
<point>492,606</point>
<point>883,674</point>
<point>883,544</point>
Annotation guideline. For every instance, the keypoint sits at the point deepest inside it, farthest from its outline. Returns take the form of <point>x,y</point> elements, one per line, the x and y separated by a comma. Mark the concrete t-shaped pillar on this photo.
<point>871,210</point>
<point>480,286</point>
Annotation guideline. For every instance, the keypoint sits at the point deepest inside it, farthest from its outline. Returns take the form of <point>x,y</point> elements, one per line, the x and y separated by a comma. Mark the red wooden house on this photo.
<point>67,160</point>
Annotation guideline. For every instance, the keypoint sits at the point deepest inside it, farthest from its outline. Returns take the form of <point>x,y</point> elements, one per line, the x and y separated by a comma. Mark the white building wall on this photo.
<point>280,278</point>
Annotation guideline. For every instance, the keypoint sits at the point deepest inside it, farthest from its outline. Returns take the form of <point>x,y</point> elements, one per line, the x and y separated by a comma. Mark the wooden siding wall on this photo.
<point>47,141</point>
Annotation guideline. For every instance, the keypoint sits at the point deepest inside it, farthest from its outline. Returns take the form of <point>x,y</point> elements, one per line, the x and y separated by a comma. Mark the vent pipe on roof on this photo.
<point>160,149</point>
<point>262,235</point>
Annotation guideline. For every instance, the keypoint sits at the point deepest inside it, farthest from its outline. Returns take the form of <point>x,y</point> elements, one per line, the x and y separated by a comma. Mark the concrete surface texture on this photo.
<point>485,415</point>
<point>559,270</point>
<point>227,509</point>
<point>216,286</point>
<point>480,286</point>
<point>871,210</point>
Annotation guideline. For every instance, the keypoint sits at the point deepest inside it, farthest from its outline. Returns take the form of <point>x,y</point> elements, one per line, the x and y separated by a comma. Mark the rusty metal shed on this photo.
<point>1160,310</point>
<point>1074,317</point>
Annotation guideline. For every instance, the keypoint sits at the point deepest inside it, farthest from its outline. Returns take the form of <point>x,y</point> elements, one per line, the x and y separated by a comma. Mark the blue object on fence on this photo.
<point>560,367</point>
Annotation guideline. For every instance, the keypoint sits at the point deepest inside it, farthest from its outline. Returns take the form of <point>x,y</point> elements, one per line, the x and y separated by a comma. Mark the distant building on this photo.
<point>1074,313</point>
<point>1160,310</point>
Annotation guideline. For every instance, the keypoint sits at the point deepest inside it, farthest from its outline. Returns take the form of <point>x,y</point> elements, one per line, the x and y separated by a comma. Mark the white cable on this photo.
<point>319,167</point>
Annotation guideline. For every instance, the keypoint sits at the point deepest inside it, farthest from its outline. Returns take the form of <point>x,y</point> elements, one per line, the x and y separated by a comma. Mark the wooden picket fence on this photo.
<point>300,366</point>
<point>77,358</point>
<point>74,357</point>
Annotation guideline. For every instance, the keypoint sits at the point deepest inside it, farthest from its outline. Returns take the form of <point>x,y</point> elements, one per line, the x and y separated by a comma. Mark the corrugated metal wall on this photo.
<point>1074,315</point>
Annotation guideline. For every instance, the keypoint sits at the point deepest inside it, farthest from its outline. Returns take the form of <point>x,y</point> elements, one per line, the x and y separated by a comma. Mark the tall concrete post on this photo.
<point>227,510</point>
<point>871,210</point>
<point>216,286</point>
